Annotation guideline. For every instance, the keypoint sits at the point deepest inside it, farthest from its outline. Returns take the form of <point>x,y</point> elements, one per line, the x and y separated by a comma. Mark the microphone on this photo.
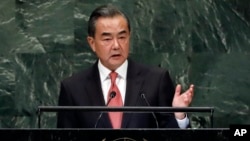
<point>154,116</point>
<point>111,96</point>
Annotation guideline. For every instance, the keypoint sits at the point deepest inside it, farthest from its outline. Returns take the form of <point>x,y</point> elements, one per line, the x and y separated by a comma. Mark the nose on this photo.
<point>116,44</point>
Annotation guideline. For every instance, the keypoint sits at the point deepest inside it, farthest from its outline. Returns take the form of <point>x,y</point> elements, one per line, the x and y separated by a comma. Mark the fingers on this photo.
<point>178,90</point>
<point>191,90</point>
<point>183,99</point>
<point>189,94</point>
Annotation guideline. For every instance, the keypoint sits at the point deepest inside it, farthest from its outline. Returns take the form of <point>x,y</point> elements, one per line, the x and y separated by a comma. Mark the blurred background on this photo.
<point>203,42</point>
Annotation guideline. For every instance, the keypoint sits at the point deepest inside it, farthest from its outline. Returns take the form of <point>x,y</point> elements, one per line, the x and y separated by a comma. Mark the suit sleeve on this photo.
<point>165,98</point>
<point>65,119</point>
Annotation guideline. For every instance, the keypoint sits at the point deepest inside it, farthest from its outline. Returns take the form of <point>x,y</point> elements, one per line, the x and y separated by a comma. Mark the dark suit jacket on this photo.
<point>84,89</point>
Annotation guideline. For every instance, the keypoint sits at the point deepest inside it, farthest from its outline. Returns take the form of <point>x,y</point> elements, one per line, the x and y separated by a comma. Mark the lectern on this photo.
<point>136,109</point>
<point>98,134</point>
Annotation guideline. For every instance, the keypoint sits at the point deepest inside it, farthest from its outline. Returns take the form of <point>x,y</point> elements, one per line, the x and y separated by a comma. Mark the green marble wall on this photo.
<point>205,42</point>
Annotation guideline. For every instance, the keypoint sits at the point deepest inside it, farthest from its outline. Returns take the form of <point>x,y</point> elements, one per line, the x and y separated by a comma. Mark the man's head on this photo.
<point>109,35</point>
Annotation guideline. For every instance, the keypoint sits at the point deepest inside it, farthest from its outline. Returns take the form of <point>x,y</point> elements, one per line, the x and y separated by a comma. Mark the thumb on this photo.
<point>177,90</point>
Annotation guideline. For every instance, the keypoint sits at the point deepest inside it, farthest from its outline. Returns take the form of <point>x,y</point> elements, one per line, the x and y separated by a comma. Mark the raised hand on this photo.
<point>182,99</point>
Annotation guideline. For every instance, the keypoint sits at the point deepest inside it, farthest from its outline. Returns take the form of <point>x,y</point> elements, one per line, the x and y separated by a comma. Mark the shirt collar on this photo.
<point>104,71</point>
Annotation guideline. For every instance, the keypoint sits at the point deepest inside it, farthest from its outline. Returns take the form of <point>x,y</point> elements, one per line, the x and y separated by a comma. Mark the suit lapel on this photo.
<point>95,94</point>
<point>133,89</point>
<point>93,87</point>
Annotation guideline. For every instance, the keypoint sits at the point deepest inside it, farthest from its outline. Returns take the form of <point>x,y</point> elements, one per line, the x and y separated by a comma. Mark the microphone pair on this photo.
<point>113,94</point>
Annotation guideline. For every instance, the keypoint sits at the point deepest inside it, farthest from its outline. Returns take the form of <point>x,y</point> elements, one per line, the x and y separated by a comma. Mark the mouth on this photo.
<point>116,55</point>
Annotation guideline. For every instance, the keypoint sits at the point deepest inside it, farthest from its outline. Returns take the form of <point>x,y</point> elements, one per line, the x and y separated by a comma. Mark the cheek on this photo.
<point>103,53</point>
<point>126,48</point>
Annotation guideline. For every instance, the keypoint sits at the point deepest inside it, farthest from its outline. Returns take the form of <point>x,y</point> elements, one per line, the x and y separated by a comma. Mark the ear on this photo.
<point>91,43</point>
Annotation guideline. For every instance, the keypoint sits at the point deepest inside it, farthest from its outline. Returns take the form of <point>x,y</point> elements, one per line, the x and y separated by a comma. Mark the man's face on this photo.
<point>111,41</point>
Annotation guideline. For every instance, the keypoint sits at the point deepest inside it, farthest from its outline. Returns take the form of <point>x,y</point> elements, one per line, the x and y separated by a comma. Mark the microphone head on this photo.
<point>112,94</point>
<point>143,96</point>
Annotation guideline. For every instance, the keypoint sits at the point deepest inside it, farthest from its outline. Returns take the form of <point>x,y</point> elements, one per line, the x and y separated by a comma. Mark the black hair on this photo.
<point>104,11</point>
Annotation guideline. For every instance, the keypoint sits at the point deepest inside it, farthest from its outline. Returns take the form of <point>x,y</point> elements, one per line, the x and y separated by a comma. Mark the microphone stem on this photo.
<point>154,116</point>
<point>111,96</point>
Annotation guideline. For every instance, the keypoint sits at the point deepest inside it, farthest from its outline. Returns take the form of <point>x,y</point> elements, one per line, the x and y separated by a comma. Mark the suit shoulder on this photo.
<point>77,76</point>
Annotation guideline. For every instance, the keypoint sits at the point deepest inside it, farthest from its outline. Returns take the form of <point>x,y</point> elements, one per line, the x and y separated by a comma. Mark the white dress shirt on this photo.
<point>121,84</point>
<point>120,80</point>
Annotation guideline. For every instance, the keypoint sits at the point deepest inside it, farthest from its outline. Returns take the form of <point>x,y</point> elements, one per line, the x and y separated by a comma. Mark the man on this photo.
<point>137,85</point>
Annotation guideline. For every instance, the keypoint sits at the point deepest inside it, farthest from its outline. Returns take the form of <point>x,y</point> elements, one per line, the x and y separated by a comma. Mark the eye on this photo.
<point>107,39</point>
<point>122,37</point>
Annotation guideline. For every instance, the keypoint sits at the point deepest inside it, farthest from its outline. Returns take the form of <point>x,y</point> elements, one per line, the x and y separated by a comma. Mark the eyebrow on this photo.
<point>109,34</point>
<point>106,34</point>
<point>122,32</point>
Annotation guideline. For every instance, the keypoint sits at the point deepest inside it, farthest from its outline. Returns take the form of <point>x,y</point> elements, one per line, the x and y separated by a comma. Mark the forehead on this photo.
<point>111,24</point>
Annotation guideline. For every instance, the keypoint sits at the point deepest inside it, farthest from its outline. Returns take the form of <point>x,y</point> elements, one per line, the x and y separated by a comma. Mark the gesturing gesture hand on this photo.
<point>182,100</point>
